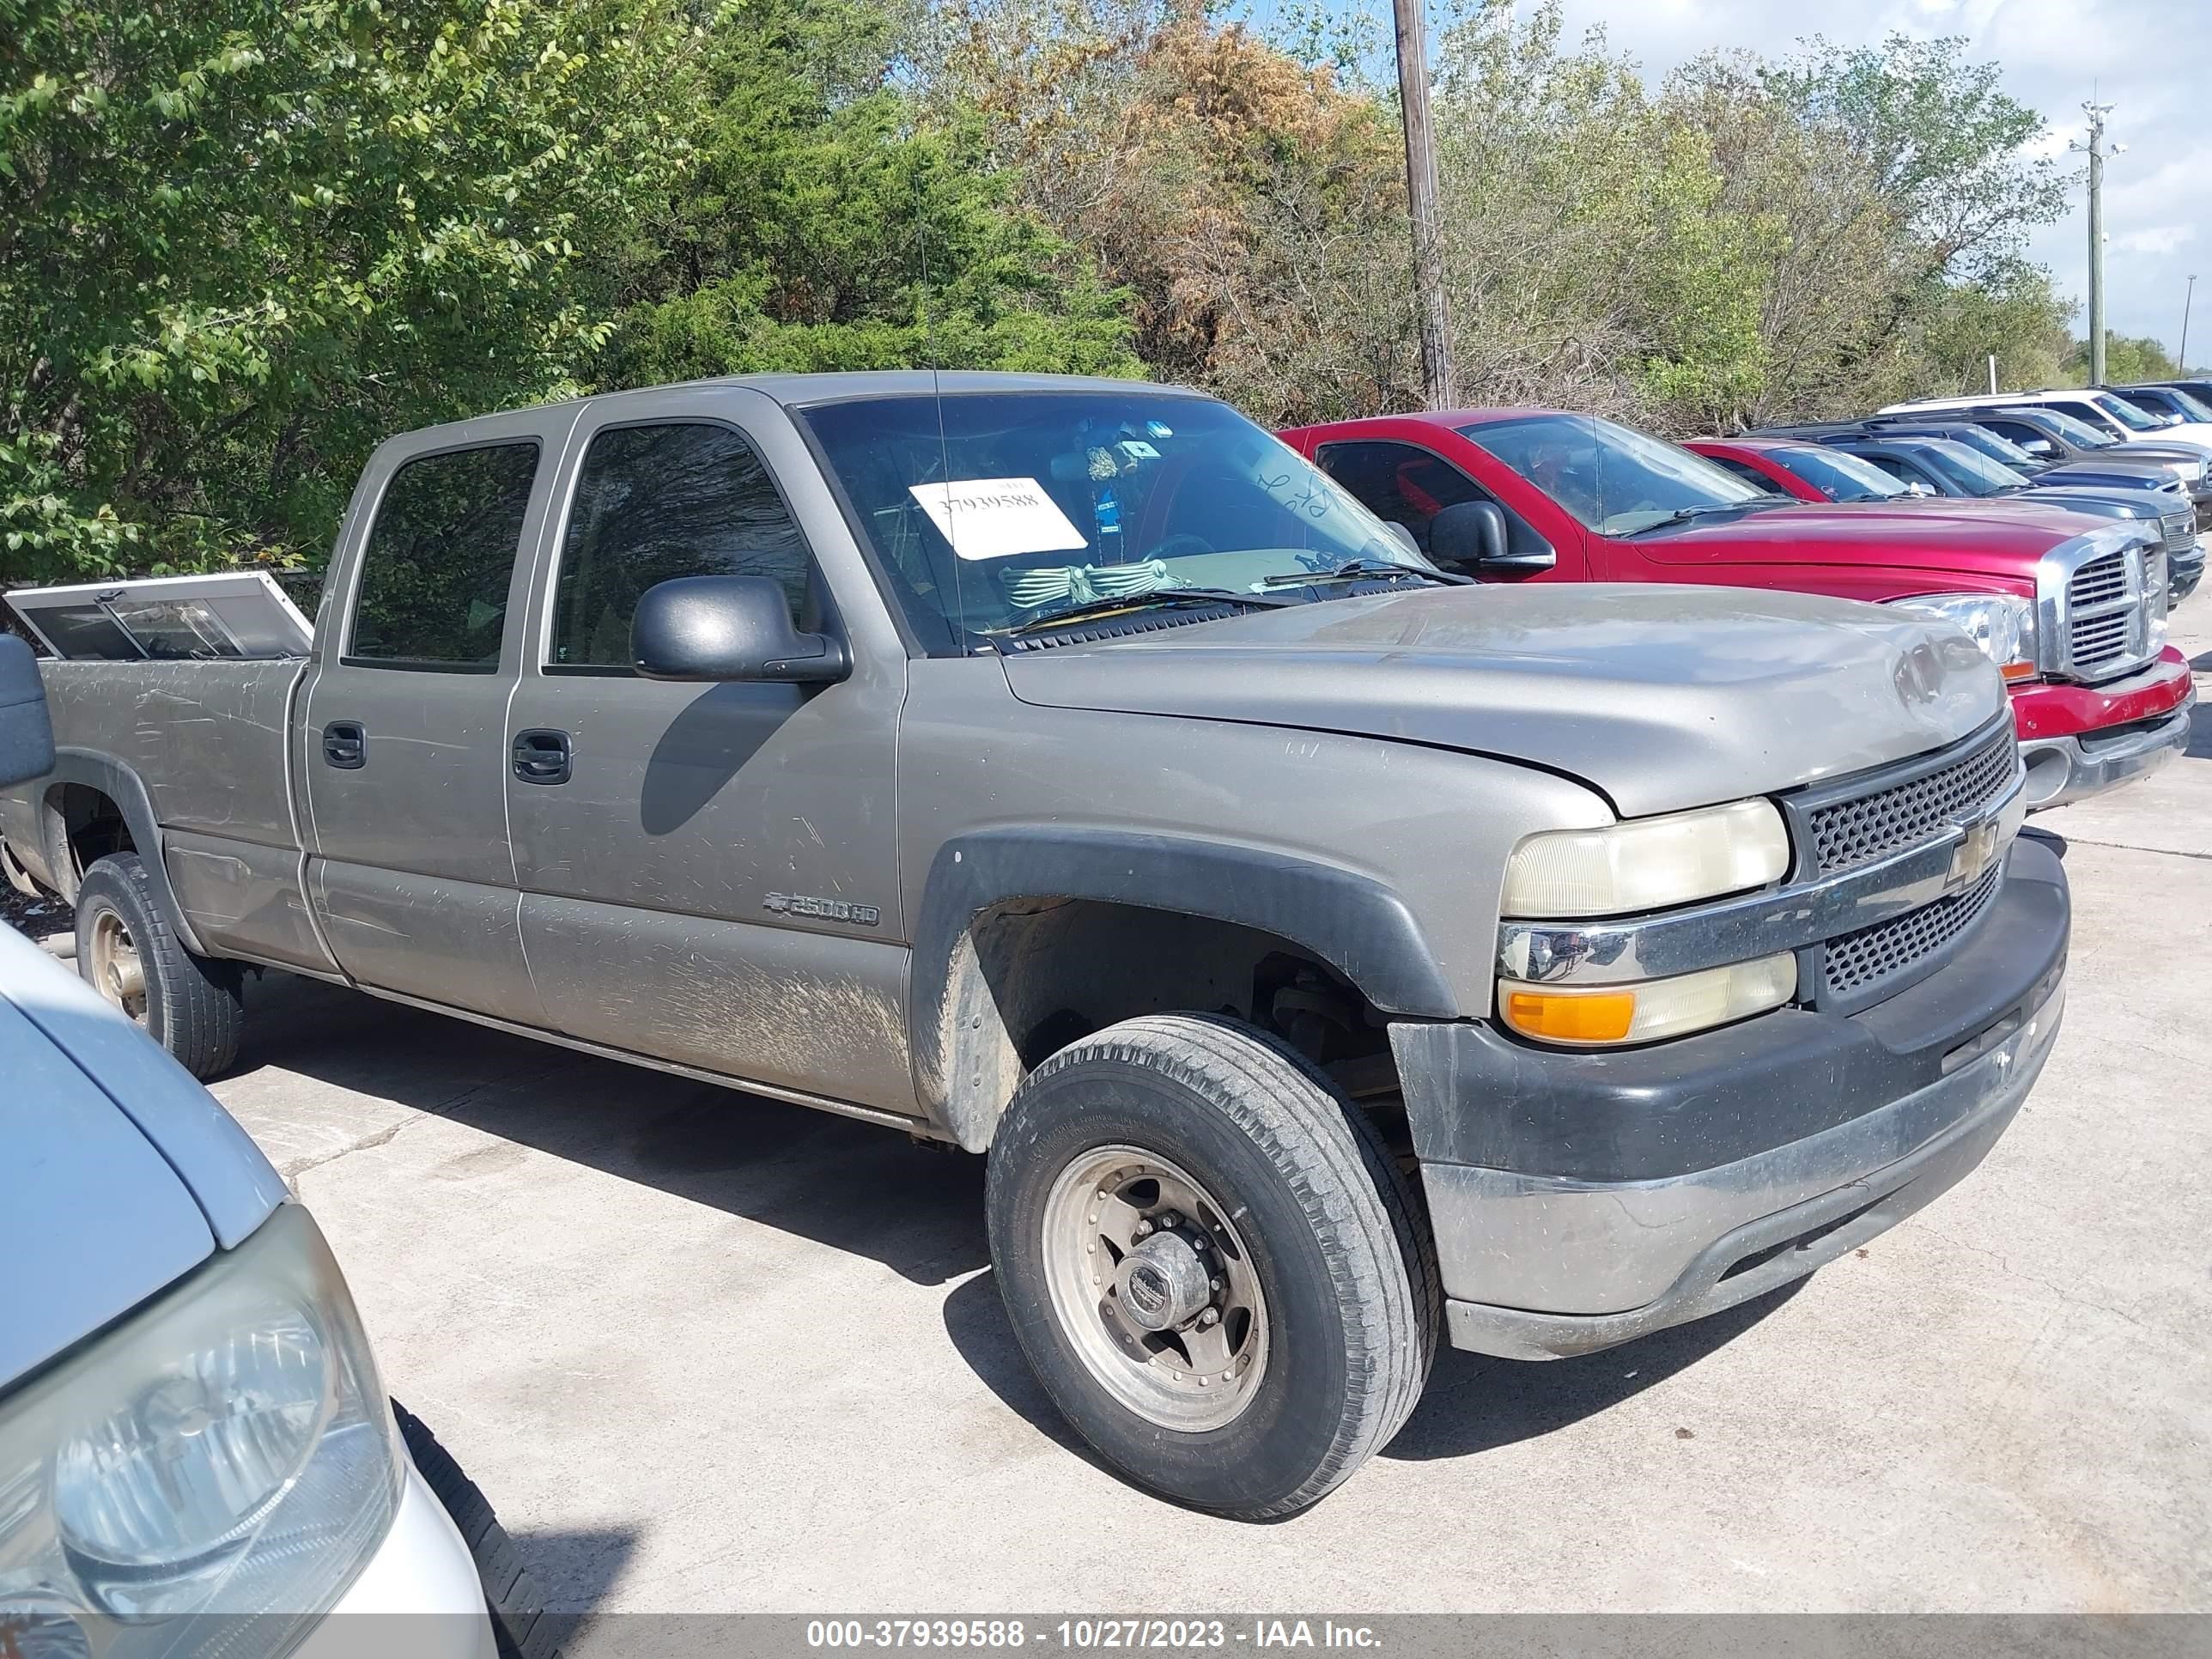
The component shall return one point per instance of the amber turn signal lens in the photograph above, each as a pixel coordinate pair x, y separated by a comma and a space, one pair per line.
1560, 1016
2018, 671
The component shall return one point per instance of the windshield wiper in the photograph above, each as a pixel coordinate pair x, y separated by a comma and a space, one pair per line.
1353, 570
1083, 608
1685, 514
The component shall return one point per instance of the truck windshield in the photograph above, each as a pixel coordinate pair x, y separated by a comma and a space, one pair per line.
1615, 480
1989, 443
2077, 431
2127, 414
989, 510
1968, 470
1842, 477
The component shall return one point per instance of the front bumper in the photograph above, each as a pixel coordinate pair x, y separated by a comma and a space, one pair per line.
1582, 1200
2077, 740
2061, 770
419, 1595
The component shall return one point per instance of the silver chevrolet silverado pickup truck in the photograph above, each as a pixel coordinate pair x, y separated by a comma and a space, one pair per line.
1333, 957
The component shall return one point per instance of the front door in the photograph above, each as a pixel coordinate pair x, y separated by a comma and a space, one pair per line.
709, 871
405, 735
1404, 484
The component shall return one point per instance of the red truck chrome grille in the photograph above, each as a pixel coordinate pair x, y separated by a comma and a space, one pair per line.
2110, 604
1850, 833
1858, 960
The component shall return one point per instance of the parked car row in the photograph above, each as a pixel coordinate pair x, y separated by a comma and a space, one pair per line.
1342, 935
2062, 569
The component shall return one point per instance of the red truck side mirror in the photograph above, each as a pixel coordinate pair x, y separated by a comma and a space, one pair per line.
1471, 538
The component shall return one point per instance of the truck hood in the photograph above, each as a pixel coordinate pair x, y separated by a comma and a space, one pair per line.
1938, 534
119, 1174
1659, 697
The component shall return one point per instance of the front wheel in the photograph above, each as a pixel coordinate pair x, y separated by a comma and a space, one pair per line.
1212, 1262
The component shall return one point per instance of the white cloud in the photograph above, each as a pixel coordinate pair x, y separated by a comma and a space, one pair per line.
2159, 238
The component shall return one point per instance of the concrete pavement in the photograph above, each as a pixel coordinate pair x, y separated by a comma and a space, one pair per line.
709, 1353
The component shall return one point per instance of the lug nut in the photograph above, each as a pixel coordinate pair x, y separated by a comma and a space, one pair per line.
1170, 1220
1214, 1283
1211, 1316
1143, 1229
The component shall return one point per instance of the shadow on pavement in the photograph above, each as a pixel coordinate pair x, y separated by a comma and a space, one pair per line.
854, 1187
1474, 1403
575, 1568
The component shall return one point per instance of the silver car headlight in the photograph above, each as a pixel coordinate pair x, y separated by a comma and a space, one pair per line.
2002, 624
226, 1449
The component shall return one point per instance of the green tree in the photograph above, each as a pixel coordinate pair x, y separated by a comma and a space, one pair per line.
243, 240
832, 221
2127, 358
1946, 141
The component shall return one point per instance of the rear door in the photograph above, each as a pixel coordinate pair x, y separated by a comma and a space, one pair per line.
709, 872
404, 743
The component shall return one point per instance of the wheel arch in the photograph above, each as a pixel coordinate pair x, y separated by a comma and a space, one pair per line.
997, 903
105, 780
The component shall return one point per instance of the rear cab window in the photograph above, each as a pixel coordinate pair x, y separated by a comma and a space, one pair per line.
439, 562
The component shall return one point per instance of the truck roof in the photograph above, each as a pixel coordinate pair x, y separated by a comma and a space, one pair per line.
797, 390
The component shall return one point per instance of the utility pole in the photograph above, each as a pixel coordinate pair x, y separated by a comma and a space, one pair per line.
2095, 146
1436, 378
2187, 301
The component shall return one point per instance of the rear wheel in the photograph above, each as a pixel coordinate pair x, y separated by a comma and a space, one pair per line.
1212, 1262
125, 949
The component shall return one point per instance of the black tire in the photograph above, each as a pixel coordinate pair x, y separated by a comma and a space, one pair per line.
1337, 1240
512, 1597
194, 1006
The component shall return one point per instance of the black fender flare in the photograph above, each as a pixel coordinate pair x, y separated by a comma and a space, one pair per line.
1349, 920
127, 791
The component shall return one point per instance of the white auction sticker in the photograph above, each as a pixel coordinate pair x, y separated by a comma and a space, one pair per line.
997, 518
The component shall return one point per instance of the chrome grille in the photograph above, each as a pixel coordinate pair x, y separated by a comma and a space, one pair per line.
2098, 581
2107, 608
2180, 529
1850, 833
1858, 960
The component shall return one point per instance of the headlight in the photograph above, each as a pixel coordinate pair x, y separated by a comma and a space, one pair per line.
226, 1450
1646, 863
2002, 624
1600, 1015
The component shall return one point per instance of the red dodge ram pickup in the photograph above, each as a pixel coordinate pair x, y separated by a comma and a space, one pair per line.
2071, 609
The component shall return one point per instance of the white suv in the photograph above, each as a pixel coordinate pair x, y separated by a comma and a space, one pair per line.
2114, 416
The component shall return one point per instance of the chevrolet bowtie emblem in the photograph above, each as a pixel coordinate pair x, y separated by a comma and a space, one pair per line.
1974, 853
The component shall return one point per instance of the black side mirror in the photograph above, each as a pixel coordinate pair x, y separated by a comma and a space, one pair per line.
1471, 537
729, 628
26, 737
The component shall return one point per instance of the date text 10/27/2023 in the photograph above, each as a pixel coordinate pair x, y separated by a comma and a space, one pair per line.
1088, 1635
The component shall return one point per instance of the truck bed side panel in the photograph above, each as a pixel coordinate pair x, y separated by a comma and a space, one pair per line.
209, 740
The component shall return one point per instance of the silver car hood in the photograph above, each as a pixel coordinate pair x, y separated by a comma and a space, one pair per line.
119, 1174
1661, 697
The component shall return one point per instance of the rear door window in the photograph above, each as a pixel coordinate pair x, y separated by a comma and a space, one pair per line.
440, 559
657, 502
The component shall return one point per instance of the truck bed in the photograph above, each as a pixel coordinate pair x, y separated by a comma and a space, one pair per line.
208, 739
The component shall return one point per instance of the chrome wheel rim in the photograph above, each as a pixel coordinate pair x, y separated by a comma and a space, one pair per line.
118, 973
1155, 1288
